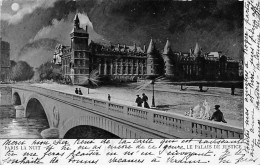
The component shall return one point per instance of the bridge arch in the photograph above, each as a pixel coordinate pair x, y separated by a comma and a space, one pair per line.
88, 132
16, 99
35, 107
91, 122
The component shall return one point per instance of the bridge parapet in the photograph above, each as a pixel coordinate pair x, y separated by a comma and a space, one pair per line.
164, 124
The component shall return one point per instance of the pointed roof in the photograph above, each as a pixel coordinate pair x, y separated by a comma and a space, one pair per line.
77, 27
144, 48
167, 48
197, 49
151, 47
135, 49
76, 18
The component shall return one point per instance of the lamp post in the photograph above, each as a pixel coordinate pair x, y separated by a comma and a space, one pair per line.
153, 104
88, 83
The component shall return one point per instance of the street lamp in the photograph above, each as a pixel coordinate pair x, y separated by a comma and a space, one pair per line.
153, 104
88, 82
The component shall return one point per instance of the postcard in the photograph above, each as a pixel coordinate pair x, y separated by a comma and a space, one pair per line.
119, 82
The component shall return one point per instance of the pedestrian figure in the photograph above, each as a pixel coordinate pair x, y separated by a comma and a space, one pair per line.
139, 101
218, 115
232, 90
80, 93
200, 86
76, 91
109, 97
145, 100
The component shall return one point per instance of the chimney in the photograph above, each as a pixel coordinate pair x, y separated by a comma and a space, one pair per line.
144, 48
86, 28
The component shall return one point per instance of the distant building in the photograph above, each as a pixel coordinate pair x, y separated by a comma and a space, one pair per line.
5, 61
123, 62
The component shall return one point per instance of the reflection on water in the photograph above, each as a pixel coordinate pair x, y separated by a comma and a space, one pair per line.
10, 127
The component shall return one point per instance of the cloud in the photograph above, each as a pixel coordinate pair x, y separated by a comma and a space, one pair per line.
84, 20
27, 9
60, 30
40, 48
55, 31
36, 57
45, 43
38, 52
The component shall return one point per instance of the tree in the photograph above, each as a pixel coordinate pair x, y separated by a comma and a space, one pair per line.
91, 80
49, 71
21, 71
13, 63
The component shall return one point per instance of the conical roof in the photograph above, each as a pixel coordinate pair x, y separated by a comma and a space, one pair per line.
135, 49
167, 48
77, 27
76, 18
151, 47
197, 50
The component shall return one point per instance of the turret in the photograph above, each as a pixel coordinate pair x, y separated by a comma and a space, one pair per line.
168, 58
151, 47
79, 50
167, 48
154, 61
197, 50
76, 22
135, 49
191, 52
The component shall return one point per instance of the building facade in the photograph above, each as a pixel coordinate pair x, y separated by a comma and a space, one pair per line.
5, 61
123, 62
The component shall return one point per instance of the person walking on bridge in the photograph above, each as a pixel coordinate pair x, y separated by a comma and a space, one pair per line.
139, 101
80, 93
76, 91
145, 100
218, 115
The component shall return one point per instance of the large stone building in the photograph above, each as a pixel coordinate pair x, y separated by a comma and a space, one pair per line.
4, 61
123, 62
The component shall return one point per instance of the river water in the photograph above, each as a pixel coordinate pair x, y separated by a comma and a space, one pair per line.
22, 128
30, 128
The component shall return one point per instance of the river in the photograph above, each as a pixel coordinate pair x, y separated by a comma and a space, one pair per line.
22, 128
30, 128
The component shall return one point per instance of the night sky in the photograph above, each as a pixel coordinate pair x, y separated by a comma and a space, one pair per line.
34, 27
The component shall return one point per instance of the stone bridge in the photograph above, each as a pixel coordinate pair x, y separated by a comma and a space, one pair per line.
66, 111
